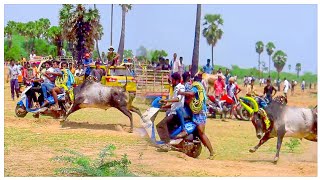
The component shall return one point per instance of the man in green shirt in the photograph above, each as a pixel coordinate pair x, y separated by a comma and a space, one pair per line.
112, 56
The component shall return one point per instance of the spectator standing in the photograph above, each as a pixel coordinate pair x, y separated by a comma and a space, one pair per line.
227, 75
219, 87
181, 67
303, 85
286, 87
176, 64
13, 73
32, 55
208, 68
293, 84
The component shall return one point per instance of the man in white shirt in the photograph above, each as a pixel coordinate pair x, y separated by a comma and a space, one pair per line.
176, 63
177, 102
32, 55
286, 87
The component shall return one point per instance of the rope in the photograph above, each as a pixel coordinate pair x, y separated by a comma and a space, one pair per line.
196, 104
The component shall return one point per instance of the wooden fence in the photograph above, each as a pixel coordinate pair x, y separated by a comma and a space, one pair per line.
151, 82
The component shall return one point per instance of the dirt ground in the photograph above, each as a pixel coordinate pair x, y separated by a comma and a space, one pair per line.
30, 143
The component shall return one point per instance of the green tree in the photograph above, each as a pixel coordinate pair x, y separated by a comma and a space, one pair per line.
270, 48
128, 54
54, 36
156, 54
279, 59
195, 54
259, 50
100, 32
212, 30
298, 68
125, 8
80, 27
8, 31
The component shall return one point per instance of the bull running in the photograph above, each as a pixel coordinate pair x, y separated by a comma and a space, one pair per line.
183, 128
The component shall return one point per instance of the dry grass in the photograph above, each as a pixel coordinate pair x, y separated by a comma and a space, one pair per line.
30, 143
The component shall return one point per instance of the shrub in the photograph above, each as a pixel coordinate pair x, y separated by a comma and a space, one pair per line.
294, 143
103, 165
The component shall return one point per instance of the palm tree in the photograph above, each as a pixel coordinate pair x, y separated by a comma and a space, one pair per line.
279, 59
125, 9
111, 23
54, 35
270, 48
289, 67
99, 35
80, 27
212, 31
9, 30
259, 50
298, 68
195, 54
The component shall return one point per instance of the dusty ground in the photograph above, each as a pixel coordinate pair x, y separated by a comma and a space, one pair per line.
30, 143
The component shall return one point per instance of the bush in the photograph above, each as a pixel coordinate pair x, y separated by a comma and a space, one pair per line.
294, 143
103, 165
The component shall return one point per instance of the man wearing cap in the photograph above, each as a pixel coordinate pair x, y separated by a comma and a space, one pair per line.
112, 56
97, 72
86, 63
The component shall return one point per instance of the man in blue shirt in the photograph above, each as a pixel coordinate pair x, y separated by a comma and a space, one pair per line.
201, 118
207, 68
86, 63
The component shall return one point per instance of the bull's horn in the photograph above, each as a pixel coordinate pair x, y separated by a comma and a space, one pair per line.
246, 107
254, 103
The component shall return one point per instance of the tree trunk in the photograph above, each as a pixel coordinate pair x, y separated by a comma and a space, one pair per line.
123, 26
111, 24
278, 74
298, 74
269, 64
195, 56
259, 66
212, 56
97, 44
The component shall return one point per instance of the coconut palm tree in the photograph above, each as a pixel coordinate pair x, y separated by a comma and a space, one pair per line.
270, 48
298, 68
195, 54
54, 35
212, 30
279, 59
259, 50
125, 8
289, 67
80, 27
9, 30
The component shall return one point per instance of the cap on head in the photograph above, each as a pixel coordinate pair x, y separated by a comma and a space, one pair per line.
111, 48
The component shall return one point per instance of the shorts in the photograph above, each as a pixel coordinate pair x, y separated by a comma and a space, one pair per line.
200, 118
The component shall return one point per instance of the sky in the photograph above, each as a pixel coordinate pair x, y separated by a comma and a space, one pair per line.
292, 28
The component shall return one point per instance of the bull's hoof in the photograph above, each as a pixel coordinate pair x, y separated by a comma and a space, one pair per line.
275, 160
131, 130
252, 150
